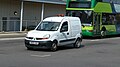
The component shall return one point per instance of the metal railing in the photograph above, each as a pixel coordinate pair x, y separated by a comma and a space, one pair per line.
14, 25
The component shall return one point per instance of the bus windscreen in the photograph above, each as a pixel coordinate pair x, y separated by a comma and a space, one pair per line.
79, 5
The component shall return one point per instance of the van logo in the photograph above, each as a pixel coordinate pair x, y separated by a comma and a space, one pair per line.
34, 38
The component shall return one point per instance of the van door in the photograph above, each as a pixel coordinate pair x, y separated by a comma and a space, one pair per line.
64, 33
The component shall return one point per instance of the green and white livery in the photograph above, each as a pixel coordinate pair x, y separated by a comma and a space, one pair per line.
98, 17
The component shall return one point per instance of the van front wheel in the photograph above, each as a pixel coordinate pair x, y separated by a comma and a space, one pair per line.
77, 44
54, 46
28, 48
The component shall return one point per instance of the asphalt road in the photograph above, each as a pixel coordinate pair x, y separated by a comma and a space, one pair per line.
93, 53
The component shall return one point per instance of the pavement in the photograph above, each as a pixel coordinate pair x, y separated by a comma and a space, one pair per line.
12, 34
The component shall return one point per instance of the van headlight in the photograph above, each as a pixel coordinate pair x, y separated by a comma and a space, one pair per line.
47, 36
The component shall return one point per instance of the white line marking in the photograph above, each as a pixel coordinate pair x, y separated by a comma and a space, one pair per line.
12, 38
41, 55
104, 39
94, 40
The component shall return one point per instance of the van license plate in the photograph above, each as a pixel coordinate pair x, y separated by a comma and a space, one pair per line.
35, 43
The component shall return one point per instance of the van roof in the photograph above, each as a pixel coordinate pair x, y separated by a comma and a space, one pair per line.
58, 19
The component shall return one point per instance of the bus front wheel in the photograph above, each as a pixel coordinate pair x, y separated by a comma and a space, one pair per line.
103, 34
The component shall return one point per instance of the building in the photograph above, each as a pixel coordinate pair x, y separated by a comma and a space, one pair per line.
17, 15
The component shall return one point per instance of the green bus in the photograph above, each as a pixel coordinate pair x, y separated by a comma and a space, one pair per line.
98, 17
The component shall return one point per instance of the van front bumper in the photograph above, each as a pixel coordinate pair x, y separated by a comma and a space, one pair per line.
39, 45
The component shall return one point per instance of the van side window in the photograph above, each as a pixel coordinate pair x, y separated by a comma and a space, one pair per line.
64, 27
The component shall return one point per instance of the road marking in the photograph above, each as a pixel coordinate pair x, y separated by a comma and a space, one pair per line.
12, 38
41, 55
102, 39
94, 40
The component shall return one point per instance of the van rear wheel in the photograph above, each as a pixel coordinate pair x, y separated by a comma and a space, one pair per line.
77, 44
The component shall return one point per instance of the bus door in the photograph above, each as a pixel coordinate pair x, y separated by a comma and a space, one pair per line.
97, 17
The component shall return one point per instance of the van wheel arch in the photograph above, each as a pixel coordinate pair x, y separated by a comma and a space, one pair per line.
55, 41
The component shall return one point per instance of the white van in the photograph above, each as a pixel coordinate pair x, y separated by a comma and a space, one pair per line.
55, 31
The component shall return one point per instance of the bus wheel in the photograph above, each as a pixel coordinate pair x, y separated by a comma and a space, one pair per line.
103, 34
77, 44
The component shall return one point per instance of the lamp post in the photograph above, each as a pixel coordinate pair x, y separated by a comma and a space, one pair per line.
21, 17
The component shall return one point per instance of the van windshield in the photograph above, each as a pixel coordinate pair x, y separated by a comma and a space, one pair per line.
48, 26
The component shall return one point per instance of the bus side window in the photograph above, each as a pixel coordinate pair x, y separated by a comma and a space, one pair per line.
104, 19
117, 19
108, 19
99, 0
112, 19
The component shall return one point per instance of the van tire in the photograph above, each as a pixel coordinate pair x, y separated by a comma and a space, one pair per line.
77, 44
54, 46
28, 48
